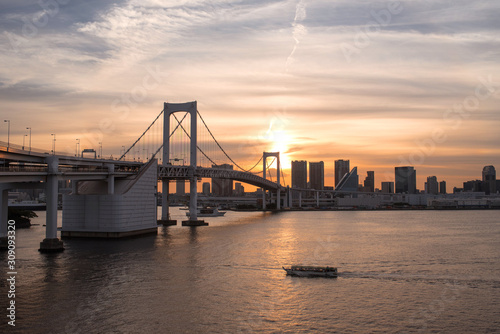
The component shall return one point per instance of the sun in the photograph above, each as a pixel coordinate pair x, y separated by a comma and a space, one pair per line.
278, 139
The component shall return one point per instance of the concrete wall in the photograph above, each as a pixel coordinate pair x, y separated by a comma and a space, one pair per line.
131, 209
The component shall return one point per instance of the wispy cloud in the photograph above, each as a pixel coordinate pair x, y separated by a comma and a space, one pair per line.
245, 58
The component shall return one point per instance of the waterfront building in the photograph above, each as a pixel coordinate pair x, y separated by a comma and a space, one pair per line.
239, 190
490, 180
406, 180
299, 174
180, 187
341, 169
442, 187
317, 175
475, 186
206, 188
369, 183
349, 182
222, 187
388, 187
432, 185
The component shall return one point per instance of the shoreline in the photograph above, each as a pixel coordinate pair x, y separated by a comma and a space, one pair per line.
365, 209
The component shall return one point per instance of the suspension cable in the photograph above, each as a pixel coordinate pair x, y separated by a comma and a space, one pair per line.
211, 134
269, 169
149, 127
206, 156
282, 176
180, 124
217, 145
161, 146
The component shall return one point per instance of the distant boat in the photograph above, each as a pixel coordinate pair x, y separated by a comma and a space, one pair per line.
208, 212
311, 271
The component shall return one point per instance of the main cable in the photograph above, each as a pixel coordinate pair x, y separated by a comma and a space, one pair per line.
211, 134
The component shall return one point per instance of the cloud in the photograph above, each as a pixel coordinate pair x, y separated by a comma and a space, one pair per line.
245, 60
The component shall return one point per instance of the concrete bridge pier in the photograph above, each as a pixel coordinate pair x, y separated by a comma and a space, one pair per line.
165, 205
193, 205
51, 243
4, 217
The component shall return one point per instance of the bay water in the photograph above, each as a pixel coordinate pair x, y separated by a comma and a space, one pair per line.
400, 272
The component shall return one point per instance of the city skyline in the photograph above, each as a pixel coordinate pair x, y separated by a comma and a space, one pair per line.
419, 87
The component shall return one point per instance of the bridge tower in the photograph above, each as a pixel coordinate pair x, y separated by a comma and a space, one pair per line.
169, 109
265, 156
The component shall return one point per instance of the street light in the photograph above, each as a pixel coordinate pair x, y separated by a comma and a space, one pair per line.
30, 137
53, 144
77, 147
8, 133
100, 150
24, 137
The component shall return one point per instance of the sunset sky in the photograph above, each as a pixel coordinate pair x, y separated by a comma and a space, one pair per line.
382, 84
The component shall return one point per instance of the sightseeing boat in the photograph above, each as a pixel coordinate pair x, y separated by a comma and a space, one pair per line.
311, 271
208, 212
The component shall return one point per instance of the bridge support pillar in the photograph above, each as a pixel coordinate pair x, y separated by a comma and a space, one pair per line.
317, 199
193, 205
165, 205
300, 199
288, 202
51, 243
4, 217
264, 168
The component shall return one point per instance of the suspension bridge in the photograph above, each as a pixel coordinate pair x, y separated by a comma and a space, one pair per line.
117, 197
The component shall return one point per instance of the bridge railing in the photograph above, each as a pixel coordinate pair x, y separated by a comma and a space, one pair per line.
26, 149
69, 169
18, 169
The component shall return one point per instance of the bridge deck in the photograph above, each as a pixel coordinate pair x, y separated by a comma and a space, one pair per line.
30, 166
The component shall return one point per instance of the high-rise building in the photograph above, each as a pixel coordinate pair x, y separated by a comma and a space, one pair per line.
349, 182
406, 180
239, 190
222, 187
317, 175
442, 187
369, 184
388, 187
299, 174
474, 186
206, 188
490, 180
341, 169
432, 185
180, 187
